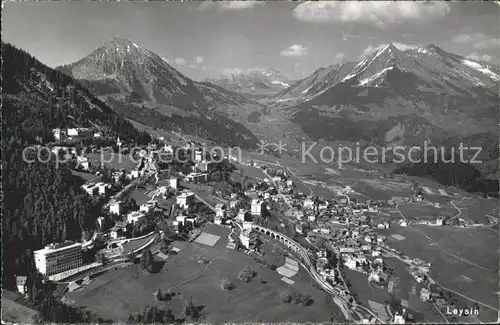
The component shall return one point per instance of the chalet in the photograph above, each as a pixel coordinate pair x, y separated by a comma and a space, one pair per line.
134, 216
243, 215
196, 177
308, 203
147, 207
181, 219
83, 162
118, 230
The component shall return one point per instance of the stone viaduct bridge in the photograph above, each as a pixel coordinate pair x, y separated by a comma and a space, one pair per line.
288, 242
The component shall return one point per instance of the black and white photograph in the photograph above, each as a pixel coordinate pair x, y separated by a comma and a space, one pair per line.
246, 162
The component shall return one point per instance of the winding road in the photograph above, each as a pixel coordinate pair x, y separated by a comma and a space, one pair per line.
458, 209
399, 211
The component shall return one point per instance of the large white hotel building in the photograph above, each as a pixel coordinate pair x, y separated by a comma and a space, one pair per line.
57, 258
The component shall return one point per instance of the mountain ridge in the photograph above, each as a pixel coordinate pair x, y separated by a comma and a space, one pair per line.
253, 81
131, 78
428, 82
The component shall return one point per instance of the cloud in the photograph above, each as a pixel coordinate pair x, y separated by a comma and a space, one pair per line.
488, 44
480, 57
192, 66
294, 50
199, 59
377, 13
179, 61
480, 40
239, 5
229, 5
338, 57
468, 38
400, 46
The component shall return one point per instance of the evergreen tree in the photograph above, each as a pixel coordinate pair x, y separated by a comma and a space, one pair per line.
147, 260
159, 295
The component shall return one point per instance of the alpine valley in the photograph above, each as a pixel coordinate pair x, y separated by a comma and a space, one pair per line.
390, 97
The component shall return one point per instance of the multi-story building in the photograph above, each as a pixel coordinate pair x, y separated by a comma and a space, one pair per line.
79, 132
196, 177
198, 155
257, 206
115, 207
206, 166
57, 258
243, 215
174, 183
185, 199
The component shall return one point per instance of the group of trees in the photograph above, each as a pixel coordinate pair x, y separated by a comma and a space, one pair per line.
457, 173
332, 259
38, 108
226, 284
50, 309
191, 312
41, 205
151, 315
164, 296
53, 310
247, 274
42, 201
303, 298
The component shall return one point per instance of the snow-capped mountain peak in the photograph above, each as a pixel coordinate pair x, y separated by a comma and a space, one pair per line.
253, 80
429, 67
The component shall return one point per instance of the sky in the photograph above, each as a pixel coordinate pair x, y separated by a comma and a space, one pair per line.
206, 39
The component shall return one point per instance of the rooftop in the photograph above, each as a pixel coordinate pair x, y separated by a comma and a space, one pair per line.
57, 247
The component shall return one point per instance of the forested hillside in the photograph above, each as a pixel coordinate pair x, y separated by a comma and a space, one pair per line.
38, 99
41, 201
459, 174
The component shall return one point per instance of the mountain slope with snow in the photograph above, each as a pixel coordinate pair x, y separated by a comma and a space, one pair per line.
447, 91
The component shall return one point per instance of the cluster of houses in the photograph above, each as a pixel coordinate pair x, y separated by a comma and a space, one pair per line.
75, 133
99, 188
